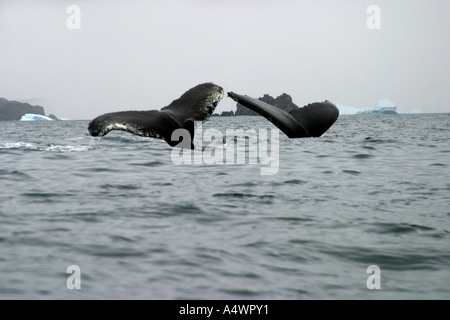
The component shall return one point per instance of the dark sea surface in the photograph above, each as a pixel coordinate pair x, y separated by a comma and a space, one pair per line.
374, 190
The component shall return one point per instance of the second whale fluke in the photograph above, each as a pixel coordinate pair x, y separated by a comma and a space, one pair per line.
313, 120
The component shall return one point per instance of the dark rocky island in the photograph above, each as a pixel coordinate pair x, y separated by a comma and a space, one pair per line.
14, 110
224, 114
283, 102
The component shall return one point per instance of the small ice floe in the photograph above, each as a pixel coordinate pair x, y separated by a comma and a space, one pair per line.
35, 117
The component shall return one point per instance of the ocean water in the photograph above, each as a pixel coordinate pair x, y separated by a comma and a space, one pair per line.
374, 190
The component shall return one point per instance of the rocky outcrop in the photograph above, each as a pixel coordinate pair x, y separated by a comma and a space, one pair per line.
14, 110
227, 114
283, 102
224, 114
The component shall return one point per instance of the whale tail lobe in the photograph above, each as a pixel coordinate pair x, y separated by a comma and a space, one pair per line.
312, 120
195, 105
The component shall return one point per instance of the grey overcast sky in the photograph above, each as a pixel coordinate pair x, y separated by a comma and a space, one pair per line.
144, 54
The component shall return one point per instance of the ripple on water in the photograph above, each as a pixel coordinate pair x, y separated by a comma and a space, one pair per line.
169, 209
109, 251
148, 164
288, 182
294, 181
101, 169
352, 172
121, 238
266, 198
120, 186
362, 156
242, 292
389, 259
438, 165
398, 228
46, 197
379, 141
15, 175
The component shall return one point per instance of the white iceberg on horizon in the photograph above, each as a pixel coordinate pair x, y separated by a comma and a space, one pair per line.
385, 106
35, 117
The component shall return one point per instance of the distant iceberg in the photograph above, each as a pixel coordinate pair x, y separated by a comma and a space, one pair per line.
385, 106
379, 110
35, 117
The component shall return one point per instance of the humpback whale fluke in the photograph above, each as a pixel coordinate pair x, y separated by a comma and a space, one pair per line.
310, 121
196, 104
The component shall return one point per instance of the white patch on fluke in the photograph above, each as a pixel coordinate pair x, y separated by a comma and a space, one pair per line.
117, 126
208, 105
130, 128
